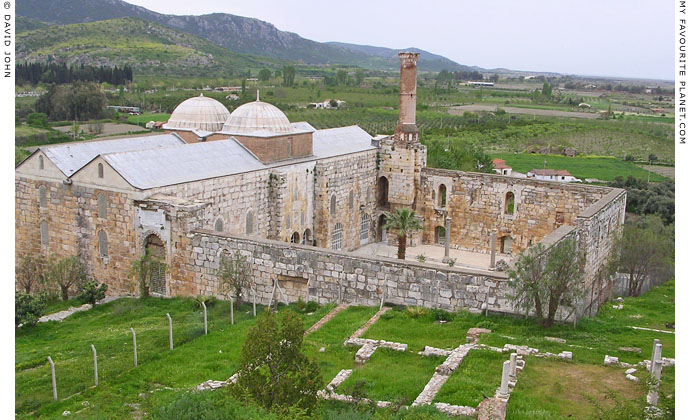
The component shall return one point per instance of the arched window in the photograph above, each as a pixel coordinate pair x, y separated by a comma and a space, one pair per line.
510, 203
364, 228
382, 192
306, 237
351, 200
289, 148
42, 196
250, 223
102, 243
333, 205
294, 239
44, 233
288, 221
302, 219
100, 170
337, 237
440, 235
219, 225
102, 206
40, 163
368, 194
295, 195
442, 195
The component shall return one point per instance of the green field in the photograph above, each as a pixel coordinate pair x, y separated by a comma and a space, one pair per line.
160, 384
146, 117
602, 168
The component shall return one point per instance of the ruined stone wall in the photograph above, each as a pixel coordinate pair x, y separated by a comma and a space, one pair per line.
338, 177
476, 204
598, 226
401, 164
332, 275
72, 219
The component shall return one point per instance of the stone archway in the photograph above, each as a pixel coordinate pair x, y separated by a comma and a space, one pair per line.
380, 231
156, 248
382, 192
294, 239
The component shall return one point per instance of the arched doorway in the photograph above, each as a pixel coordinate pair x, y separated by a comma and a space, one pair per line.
382, 192
506, 245
380, 231
156, 249
295, 238
440, 235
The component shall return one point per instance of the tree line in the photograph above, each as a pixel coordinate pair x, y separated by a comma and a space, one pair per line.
54, 73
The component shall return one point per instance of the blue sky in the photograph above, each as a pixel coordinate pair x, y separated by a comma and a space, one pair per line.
624, 38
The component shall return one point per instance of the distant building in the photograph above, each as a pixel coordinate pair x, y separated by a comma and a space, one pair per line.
501, 168
129, 109
560, 175
479, 84
326, 104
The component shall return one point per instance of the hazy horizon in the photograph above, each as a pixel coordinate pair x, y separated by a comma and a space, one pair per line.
614, 39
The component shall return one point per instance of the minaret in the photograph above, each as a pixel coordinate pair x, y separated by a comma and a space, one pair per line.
402, 155
406, 130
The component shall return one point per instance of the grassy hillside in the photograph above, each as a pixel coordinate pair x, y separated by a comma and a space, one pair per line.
148, 47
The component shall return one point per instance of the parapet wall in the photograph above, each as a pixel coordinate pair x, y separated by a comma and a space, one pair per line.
329, 276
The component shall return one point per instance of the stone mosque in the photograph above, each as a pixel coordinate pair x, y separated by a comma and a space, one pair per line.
305, 206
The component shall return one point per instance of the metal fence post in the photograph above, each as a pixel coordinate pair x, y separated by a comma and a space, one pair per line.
170, 329
95, 365
134, 342
205, 324
52, 373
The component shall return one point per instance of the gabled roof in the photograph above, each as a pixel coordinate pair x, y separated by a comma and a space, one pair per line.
70, 157
145, 169
500, 164
341, 141
550, 172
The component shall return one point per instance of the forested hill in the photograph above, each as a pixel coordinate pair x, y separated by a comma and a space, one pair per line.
236, 33
145, 46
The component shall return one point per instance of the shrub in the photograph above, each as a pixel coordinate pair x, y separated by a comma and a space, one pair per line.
441, 315
416, 311
274, 372
91, 292
27, 309
206, 299
421, 258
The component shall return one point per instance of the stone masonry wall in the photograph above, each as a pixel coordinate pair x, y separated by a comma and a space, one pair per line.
73, 223
339, 176
476, 204
333, 275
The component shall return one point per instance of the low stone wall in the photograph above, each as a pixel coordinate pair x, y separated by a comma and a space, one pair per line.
334, 276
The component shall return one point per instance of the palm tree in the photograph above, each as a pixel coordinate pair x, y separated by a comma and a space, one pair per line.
404, 221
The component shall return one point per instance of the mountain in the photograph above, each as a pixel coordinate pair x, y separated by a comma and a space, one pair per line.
148, 47
28, 24
432, 62
236, 33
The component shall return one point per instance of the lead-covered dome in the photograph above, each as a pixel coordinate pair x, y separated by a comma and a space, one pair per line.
198, 113
257, 116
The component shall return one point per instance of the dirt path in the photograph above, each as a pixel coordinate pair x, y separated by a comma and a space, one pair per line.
459, 110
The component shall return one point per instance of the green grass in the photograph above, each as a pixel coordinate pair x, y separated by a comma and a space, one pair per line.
392, 375
196, 357
61, 305
559, 390
331, 337
146, 117
602, 168
398, 326
477, 377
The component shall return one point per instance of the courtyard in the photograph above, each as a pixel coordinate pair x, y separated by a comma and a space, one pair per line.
434, 254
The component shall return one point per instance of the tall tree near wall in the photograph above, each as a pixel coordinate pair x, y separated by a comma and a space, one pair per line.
31, 272
546, 279
404, 221
65, 273
644, 250
233, 273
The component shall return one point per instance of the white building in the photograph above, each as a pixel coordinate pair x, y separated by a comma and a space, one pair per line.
560, 175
